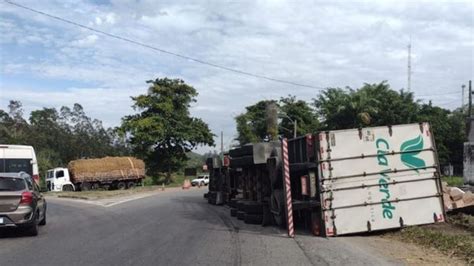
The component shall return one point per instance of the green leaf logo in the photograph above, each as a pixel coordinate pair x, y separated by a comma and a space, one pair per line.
410, 149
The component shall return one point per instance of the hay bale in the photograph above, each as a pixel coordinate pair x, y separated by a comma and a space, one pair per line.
106, 169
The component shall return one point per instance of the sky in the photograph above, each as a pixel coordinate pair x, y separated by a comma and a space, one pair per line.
48, 63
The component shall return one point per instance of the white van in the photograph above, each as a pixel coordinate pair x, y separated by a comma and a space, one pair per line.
16, 158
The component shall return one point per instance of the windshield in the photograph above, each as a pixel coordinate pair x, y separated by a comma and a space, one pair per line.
11, 184
16, 165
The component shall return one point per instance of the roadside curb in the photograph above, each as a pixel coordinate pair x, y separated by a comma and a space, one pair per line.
73, 197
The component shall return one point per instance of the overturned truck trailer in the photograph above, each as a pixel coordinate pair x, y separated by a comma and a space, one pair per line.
342, 181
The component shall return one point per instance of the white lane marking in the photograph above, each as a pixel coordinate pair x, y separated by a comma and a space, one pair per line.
106, 203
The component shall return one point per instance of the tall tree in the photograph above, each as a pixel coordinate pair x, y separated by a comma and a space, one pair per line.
59, 137
299, 111
163, 130
251, 125
371, 105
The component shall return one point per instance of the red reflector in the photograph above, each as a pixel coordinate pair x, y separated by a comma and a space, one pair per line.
304, 185
36, 178
226, 161
26, 197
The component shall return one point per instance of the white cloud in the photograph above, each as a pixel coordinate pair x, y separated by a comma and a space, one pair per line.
318, 43
89, 40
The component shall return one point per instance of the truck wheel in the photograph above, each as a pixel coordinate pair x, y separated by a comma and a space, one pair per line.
277, 208
131, 184
232, 203
240, 205
121, 185
95, 186
86, 186
67, 188
253, 207
253, 218
240, 215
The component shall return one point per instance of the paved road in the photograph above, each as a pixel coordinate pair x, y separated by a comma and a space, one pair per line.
170, 228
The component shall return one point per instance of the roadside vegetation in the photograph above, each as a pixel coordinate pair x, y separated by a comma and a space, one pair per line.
453, 181
370, 105
455, 238
104, 194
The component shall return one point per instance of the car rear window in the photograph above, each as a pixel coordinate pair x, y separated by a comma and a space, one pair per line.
11, 184
16, 165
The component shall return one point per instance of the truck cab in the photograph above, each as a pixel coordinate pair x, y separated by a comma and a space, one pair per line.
58, 179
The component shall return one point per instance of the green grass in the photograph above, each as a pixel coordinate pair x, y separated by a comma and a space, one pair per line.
453, 238
453, 181
461, 246
177, 180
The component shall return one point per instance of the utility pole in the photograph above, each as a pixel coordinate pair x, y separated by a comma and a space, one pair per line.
470, 100
222, 142
462, 98
468, 157
409, 66
294, 129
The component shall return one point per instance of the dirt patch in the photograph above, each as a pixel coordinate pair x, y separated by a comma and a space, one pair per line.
410, 253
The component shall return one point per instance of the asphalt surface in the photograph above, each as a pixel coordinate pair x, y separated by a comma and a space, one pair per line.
170, 228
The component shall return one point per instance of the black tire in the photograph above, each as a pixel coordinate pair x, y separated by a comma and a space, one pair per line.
233, 212
95, 186
32, 230
121, 185
241, 161
253, 218
240, 215
85, 186
240, 205
43, 221
232, 203
253, 207
242, 151
277, 207
67, 188
131, 184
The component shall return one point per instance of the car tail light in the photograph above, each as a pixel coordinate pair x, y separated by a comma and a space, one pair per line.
36, 178
26, 198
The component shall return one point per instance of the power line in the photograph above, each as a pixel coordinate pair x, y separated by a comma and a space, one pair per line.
448, 103
196, 60
439, 94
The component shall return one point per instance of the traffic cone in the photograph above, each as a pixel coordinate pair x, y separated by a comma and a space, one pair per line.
186, 184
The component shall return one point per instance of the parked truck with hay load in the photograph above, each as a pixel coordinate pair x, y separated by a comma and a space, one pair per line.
92, 174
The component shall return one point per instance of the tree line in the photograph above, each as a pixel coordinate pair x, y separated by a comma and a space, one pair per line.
370, 105
162, 132
59, 135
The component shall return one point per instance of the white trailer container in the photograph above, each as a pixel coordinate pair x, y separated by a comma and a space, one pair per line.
379, 178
